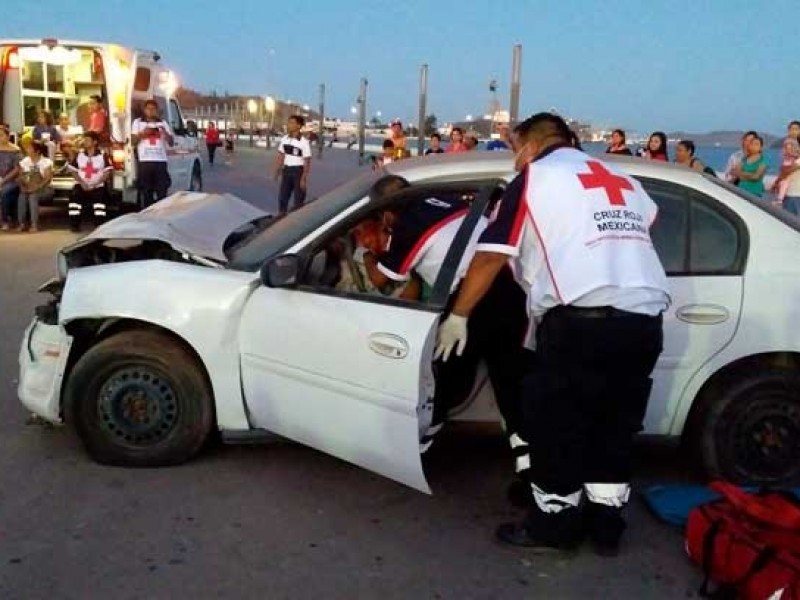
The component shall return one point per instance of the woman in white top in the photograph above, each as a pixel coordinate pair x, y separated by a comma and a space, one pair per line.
36, 172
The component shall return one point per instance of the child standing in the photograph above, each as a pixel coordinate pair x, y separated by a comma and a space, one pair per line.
36, 172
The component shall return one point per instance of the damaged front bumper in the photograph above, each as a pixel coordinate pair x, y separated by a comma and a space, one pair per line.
42, 361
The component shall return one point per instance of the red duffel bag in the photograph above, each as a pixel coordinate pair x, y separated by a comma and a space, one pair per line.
747, 544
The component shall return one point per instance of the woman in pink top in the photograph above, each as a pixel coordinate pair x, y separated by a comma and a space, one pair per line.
457, 141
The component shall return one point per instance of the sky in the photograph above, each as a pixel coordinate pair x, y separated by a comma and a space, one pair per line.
697, 65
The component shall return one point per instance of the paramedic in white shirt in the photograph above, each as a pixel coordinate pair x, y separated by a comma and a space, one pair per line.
293, 165
151, 136
577, 234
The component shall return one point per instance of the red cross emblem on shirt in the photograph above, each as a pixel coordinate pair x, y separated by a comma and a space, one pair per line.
154, 137
600, 177
89, 170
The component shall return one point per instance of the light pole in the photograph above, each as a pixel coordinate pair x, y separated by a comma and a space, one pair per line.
252, 107
269, 104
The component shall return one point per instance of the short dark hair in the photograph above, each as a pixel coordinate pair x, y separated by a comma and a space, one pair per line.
150, 102
689, 145
92, 135
96, 98
388, 144
794, 123
546, 125
437, 136
386, 185
750, 133
620, 133
458, 129
299, 119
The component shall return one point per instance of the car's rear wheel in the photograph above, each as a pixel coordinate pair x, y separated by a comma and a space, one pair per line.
140, 399
750, 429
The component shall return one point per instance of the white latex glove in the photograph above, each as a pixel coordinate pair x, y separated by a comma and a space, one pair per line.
452, 334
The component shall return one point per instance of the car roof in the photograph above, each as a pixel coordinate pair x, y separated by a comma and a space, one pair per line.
483, 163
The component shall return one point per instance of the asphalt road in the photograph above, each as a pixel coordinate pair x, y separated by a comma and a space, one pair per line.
279, 520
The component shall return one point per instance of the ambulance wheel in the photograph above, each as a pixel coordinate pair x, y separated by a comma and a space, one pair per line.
196, 182
139, 399
750, 432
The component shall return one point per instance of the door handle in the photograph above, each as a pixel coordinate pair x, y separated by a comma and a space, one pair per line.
703, 314
388, 345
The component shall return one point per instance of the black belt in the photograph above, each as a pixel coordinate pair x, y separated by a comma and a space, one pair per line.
595, 312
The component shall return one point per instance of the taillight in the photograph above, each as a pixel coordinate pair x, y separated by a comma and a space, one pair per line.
118, 156
12, 60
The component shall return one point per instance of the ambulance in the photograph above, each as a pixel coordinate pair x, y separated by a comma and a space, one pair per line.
61, 76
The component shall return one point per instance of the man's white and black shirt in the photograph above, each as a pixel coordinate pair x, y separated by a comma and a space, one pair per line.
295, 151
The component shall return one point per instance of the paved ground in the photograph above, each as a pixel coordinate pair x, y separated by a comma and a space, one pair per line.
278, 521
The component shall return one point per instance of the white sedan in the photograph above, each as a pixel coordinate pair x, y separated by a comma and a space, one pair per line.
202, 312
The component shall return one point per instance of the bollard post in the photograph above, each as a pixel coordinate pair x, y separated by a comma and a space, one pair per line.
423, 99
516, 68
362, 119
321, 136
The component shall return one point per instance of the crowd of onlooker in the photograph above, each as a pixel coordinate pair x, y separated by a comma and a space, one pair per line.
746, 167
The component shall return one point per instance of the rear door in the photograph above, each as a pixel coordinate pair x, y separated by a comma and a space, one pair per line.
347, 373
703, 247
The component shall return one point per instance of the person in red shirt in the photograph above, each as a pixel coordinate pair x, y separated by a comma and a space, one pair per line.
212, 141
97, 116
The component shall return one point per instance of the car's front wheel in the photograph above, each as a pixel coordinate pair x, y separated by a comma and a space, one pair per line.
140, 399
750, 430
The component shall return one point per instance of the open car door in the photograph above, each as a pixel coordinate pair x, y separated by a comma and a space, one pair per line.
348, 374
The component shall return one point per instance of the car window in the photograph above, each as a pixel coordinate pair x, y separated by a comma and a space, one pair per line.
335, 264
175, 120
694, 234
670, 230
714, 241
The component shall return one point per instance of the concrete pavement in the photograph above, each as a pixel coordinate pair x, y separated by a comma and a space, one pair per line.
280, 520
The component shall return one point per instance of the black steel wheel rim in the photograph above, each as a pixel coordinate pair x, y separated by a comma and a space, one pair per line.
765, 437
137, 406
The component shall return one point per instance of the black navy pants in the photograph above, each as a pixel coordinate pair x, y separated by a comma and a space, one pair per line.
290, 184
83, 203
584, 398
153, 181
495, 334
212, 150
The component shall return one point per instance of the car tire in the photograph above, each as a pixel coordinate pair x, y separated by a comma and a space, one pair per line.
139, 399
749, 432
196, 181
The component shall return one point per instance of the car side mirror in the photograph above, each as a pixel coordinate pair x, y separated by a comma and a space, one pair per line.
191, 128
281, 271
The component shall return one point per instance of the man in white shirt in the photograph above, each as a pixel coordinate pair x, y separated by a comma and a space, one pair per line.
293, 165
735, 160
577, 234
151, 136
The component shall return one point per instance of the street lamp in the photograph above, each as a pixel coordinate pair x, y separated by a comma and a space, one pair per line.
252, 107
269, 104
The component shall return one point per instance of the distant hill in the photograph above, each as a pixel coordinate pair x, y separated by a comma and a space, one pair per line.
726, 139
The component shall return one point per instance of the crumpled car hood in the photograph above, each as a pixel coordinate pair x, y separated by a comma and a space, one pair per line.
192, 222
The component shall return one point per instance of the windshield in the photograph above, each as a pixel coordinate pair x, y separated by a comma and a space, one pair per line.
276, 235
784, 216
